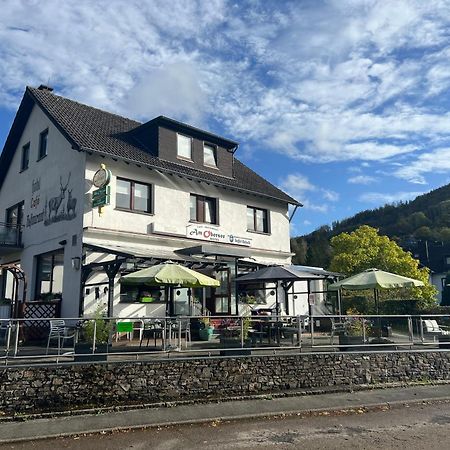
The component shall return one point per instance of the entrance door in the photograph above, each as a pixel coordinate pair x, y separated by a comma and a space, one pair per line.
222, 294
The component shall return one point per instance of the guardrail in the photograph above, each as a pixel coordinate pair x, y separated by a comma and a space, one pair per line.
114, 339
10, 235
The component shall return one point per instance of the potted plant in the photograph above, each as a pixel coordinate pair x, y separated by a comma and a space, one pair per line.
356, 331
230, 337
99, 327
206, 329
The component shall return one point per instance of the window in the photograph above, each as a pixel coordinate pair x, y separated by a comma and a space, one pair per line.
14, 222
25, 157
447, 260
49, 273
43, 137
257, 220
184, 146
133, 196
209, 155
203, 209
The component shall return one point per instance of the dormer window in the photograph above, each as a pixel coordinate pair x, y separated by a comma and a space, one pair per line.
209, 155
184, 147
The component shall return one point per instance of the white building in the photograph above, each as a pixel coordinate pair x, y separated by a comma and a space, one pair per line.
175, 192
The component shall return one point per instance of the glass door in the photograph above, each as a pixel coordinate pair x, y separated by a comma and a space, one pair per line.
222, 294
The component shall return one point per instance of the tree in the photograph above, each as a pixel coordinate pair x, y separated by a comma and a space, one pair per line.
364, 248
299, 246
446, 291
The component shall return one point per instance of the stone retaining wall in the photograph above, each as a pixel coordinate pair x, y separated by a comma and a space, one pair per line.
35, 389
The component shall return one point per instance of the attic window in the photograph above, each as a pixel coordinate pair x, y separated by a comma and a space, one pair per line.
209, 155
184, 147
25, 157
43, 144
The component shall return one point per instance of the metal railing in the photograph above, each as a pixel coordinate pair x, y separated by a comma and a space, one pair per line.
10, 235
136, 338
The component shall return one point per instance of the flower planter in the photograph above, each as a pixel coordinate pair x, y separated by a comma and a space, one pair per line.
233, 347
347, 342
83, 352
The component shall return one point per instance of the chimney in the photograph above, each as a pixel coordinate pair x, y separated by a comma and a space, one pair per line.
45, 88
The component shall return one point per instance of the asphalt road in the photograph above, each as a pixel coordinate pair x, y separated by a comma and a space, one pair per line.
423, 426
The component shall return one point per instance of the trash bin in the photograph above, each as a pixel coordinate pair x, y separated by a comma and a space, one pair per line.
386, 331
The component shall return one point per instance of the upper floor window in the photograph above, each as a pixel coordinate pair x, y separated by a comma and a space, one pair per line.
257, 219
203, 209
24, 162
133, 196
209, 155
447, 261
43, 137
184, 146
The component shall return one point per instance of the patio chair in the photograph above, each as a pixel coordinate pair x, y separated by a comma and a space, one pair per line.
337, 327
61, 332
432, 328
182, 328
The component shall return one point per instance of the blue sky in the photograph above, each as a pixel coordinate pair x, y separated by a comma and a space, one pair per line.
344, 104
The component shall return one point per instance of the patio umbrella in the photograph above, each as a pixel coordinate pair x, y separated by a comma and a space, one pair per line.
375, 279
286, 274
169, 274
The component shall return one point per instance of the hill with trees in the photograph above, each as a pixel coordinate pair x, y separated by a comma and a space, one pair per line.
427, 217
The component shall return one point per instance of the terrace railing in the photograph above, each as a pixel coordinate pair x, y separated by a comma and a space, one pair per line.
10, 235
73, 340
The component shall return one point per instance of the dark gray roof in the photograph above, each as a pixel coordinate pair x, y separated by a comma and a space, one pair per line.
93, 130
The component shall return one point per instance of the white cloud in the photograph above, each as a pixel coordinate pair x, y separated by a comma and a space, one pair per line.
437, 161
341, 80
301, 188
379, 198
362, 179
332, 196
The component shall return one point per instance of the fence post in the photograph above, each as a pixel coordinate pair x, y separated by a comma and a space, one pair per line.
299, 331
311, 321
16, 344
94, 339
242, 331
410, 329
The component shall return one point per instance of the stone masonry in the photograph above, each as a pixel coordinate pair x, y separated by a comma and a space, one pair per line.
74, 386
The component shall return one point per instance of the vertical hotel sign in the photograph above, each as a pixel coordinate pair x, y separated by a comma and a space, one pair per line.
101, 196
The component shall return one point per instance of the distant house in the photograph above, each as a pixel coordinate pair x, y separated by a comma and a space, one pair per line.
435, 256
87, 195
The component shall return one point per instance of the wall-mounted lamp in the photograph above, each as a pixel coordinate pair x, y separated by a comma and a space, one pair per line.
272, 292
76, 263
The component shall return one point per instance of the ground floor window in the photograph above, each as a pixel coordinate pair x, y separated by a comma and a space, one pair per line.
49, 274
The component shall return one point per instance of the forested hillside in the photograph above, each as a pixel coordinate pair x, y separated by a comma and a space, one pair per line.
427, 217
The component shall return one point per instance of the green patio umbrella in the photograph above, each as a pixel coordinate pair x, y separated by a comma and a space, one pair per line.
375, 279
169, 274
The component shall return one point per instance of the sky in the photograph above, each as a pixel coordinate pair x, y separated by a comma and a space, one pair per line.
343, 104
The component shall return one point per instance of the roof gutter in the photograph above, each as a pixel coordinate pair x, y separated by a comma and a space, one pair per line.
294, 211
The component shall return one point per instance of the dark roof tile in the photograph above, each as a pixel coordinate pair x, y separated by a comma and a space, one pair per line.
91, 129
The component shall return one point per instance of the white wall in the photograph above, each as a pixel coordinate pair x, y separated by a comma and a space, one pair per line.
171, 209
41, 237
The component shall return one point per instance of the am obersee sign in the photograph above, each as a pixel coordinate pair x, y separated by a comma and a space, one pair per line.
207, 233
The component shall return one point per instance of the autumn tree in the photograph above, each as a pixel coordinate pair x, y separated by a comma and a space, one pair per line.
364, 248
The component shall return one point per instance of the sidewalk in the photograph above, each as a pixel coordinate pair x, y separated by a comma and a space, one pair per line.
227, 410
